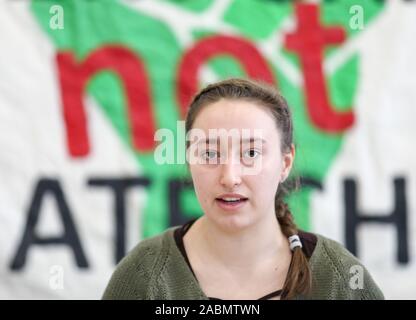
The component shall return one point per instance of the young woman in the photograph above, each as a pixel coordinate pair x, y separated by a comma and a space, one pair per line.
246, 245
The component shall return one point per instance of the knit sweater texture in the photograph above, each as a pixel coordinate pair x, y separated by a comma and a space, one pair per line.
156, 270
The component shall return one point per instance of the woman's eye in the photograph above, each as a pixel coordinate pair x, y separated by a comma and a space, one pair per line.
252, 153
208, 154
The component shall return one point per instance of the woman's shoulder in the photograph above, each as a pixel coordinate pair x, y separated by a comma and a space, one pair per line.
338, 274
134, 273
151, 246
148, 250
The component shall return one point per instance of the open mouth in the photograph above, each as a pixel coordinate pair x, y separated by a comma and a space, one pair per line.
232, 201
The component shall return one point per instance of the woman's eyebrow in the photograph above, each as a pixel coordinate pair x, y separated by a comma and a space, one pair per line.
216, 140
253, 140
208, 141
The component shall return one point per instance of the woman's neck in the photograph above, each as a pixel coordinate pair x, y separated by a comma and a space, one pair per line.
260, 244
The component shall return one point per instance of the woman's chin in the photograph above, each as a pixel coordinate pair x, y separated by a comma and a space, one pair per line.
233, 223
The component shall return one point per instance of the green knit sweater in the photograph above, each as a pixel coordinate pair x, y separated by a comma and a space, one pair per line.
156, 269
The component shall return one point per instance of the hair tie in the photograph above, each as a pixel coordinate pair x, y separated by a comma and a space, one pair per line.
294, 241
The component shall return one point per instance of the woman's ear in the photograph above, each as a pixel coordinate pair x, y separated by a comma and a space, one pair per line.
288, 159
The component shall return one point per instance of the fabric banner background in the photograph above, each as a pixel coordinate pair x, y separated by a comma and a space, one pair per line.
84, 85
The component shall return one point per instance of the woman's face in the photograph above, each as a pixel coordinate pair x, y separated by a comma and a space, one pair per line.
224, 169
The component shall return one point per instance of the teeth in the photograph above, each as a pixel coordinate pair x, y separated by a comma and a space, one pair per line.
233, 199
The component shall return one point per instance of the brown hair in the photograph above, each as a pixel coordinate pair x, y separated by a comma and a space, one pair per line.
298, 280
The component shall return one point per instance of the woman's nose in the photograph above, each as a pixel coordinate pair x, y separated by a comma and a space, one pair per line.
230, 174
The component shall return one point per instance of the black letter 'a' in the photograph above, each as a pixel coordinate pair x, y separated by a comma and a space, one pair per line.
30, 237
